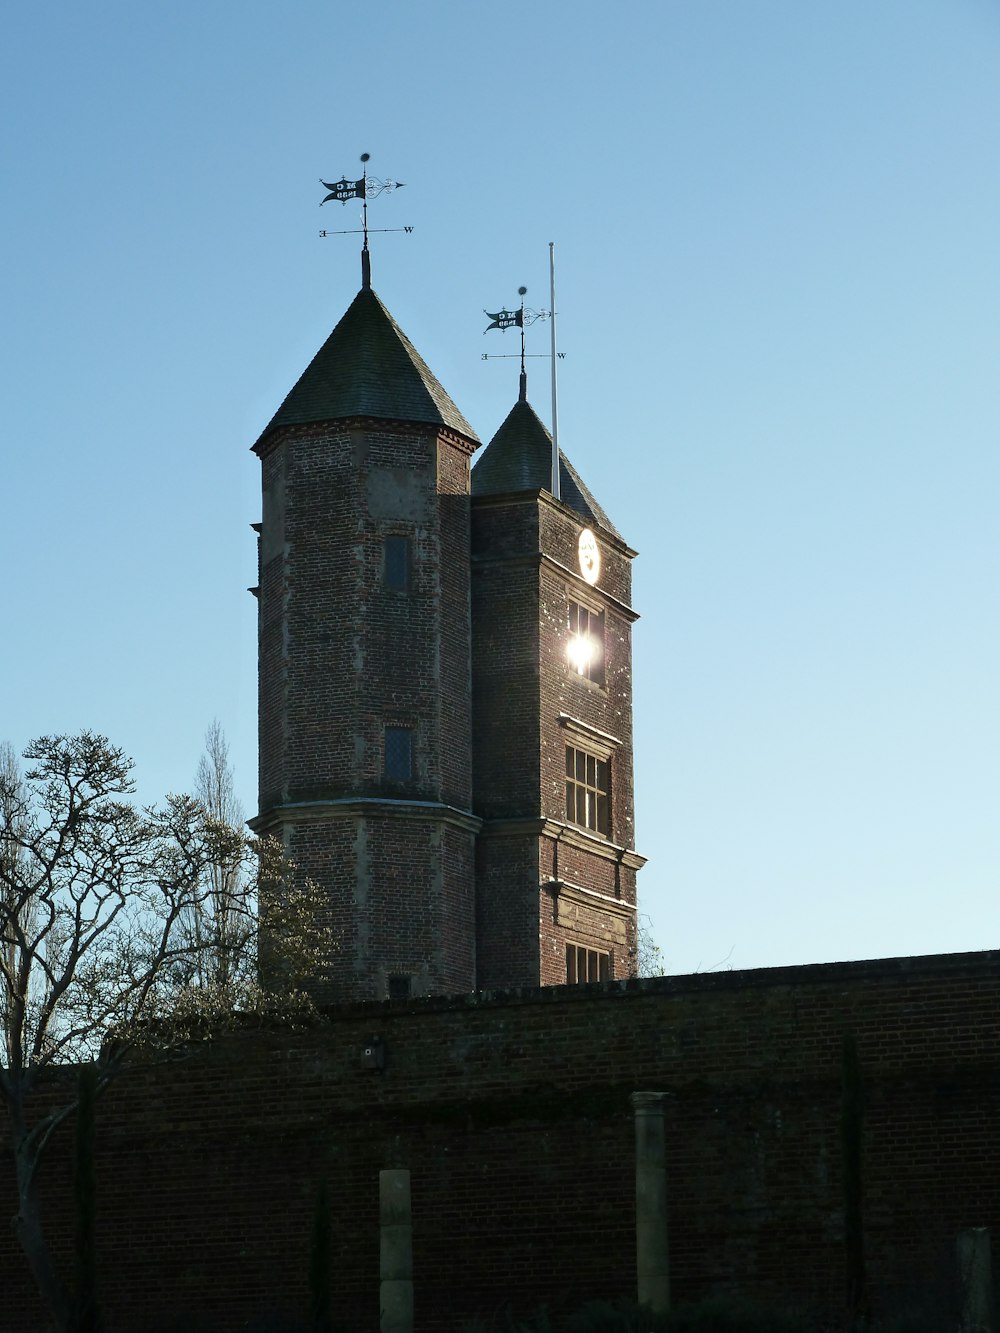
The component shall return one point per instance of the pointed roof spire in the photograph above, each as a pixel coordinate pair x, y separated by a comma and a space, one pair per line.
368, 368
519, 458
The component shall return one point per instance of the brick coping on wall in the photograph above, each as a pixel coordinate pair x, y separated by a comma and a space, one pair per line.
904, 970
920, 966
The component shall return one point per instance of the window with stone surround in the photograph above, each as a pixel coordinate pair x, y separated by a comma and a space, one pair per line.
583, 964
586, 642
588, 790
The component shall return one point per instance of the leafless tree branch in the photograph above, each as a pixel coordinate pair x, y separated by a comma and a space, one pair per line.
121, 925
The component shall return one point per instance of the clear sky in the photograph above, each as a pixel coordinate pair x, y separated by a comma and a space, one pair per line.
777, 228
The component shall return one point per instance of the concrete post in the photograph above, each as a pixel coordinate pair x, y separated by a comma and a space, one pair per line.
652, 1259
975, 1280
396, 1253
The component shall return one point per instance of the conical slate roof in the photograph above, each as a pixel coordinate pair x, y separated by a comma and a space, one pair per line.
369, 368
519, 458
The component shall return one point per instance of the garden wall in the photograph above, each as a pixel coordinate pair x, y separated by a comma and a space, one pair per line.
512, 1113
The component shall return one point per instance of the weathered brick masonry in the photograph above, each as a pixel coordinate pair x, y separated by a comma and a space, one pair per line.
542, 883
512, 1113
419, 695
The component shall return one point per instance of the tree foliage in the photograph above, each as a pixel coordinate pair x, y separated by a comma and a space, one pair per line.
122, 925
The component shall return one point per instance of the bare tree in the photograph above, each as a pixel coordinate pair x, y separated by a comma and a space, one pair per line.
96, 953
649, 958
12, 829
218, 927
215, 784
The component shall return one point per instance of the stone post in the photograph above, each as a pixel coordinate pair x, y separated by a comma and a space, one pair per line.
396, 1253
975, 1280
652, 1258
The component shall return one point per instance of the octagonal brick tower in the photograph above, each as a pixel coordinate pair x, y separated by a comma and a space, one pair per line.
364, 658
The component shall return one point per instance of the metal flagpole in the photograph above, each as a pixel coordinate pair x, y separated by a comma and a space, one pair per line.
555, 395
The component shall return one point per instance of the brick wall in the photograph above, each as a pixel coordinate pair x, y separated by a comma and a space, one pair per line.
528, 704
505, 702
342, 656
507, 936
512, 1113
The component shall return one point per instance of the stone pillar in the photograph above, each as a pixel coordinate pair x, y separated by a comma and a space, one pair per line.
652, 1258
975, 1280
396, 1253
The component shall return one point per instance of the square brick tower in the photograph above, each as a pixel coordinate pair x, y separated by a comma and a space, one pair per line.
552, 720
364, 658
445, 683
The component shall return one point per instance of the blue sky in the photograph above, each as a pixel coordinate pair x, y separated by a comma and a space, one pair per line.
778, 286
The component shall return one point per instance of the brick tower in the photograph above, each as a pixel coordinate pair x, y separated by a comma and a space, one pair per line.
364, 657
552, 720
445, 683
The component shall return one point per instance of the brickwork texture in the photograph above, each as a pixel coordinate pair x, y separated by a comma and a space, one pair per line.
512, 1113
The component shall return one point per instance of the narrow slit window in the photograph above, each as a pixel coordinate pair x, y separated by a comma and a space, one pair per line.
396, 563
399, 754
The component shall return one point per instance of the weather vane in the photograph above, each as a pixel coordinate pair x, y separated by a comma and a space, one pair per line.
521, 318
368, 187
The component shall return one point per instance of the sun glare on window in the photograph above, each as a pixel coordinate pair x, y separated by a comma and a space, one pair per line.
585, 646
581, 653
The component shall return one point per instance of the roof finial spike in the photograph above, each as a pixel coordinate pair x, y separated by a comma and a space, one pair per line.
366, 259
522, 292
364, 195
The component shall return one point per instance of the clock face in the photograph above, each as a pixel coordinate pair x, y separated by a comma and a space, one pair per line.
590, 556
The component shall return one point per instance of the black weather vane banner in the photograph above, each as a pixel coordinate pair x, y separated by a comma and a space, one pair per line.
504, 319
343, 190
